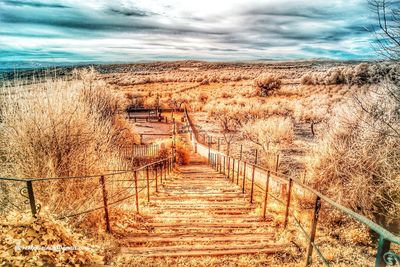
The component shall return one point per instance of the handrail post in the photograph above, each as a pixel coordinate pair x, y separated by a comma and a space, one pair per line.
383, 247
266, 195
31, 196
224, 163
233, 170
105, 204
155, 172
167, 166
220, 163
148, 184
252, 184
288, 202
244, 177
229, 167
310, 247
238, 172
165, 169
136, 192
209, 150
252, 176
161, 172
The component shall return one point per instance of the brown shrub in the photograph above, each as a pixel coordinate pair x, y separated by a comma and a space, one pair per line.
182, 153
202, 98
264, 84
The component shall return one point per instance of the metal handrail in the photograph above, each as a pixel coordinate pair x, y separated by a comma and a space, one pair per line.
385, 236
83, 177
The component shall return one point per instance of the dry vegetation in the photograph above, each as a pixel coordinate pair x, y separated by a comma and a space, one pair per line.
335, 126
62, 128
326, 120
58, 128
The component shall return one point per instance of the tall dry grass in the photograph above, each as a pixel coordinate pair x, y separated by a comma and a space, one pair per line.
59, 128
357, 160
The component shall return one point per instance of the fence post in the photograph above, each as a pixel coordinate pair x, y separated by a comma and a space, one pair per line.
244, 177
229, 167
310, 247
161, 173
209, 149
383, 247
233, 170
288, 201
223, 171
31, 196
266, 194
105, 203
155, 171
252, 177
136, 192
165, 169
252, 184
148, 184
238, 172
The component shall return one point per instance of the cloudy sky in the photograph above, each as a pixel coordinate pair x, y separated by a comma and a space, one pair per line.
127, 31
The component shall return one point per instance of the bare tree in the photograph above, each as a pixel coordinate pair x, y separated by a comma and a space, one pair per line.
229, 129
388, 29
228, 123
176, 102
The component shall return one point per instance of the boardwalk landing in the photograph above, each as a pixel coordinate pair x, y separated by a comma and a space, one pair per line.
199, 212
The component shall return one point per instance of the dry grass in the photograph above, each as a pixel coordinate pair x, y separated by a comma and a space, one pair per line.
346, 158
356, 162
270, 133
60, 128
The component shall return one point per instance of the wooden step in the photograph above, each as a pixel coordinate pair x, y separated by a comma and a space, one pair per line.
204, 225
204, 250
201, 238
193, 197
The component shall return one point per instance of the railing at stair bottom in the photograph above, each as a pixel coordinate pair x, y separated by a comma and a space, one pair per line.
273, 179
68, 197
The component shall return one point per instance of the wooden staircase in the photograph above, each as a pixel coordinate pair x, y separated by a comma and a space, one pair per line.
199, 212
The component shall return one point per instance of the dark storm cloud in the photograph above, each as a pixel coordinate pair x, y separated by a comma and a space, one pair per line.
33, 4
208, 29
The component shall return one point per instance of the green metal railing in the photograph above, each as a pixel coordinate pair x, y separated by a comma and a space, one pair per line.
222, 162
